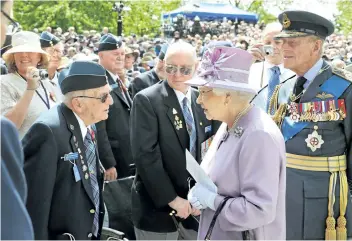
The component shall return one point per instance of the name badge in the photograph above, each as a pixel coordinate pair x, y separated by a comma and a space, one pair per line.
76, 173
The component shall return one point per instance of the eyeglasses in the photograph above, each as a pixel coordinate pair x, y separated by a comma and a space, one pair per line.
103, 98
13, 26
173, 69
52, 51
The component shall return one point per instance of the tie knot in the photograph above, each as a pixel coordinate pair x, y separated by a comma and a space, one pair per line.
275, 70
185, 101
301, 81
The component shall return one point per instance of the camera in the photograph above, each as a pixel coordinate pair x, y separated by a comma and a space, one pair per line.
43, 74
268, 49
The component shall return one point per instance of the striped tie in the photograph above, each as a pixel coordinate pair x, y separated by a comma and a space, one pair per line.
191, 129
91, 157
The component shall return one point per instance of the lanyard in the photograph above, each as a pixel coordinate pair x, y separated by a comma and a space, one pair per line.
47, 103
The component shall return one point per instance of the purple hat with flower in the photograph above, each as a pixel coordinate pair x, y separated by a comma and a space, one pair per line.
225, 68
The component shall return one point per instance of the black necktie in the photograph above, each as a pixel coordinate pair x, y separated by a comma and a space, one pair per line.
299, 86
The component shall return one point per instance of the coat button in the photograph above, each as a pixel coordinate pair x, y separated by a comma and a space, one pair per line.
90, 235
92, 211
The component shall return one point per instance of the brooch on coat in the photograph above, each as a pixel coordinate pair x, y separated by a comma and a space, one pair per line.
238, 131
178, 121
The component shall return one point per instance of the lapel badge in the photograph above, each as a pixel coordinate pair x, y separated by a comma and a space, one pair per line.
201, 124
74, 138
79, 150
174, 111
84, 168
324, 96
314, 140
81, 157
72, 127
178, 123
70, 156
86, 176
76, 144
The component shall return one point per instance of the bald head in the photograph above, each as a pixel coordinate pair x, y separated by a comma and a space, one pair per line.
274, 27
181, 47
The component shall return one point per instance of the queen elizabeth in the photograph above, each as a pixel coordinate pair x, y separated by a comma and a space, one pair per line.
248, 166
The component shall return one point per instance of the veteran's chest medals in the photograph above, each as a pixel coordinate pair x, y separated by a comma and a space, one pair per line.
314, 140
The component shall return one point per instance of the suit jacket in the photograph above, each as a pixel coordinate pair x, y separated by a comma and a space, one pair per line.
143, 81
57, 203
158, 147
15, 220
259, 78
114, 132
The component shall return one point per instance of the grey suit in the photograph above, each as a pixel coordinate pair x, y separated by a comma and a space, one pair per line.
307, 191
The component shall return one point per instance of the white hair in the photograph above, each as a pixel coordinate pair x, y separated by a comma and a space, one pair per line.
70, 95
272, 27
181, 47
235, 94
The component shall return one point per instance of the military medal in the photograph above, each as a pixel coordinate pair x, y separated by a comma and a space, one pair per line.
314, 140
84, 168
86, 176
174, 111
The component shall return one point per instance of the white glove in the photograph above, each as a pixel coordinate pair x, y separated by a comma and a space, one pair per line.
201, 198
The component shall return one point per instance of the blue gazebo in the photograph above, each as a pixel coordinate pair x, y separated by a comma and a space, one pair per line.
213, 11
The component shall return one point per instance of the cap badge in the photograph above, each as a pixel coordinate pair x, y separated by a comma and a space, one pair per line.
51, 43
285, 21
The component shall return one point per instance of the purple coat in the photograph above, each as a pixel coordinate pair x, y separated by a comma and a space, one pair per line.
252, 170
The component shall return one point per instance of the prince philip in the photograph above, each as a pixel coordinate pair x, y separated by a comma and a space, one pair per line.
62, 164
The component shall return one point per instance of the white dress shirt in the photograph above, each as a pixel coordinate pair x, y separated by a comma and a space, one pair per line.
82, 126
181, 96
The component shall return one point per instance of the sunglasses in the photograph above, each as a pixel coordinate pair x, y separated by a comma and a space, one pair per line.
102, 99
13, 26
172, 69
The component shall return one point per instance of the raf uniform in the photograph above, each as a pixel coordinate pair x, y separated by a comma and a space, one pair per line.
314, 112
49, 40
113, 133
60, 185
159, 139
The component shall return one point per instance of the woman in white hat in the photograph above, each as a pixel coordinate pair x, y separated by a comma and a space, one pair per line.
24, 96
246, 160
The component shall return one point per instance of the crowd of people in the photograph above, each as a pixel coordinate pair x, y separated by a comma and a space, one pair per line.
92, 120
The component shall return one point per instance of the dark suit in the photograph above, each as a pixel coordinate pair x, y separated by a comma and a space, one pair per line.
159, 153
57, 203
15, 221
143, 81
113, 133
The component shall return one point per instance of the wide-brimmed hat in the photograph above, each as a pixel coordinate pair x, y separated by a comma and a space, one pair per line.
225, 68
26, 42
134, 52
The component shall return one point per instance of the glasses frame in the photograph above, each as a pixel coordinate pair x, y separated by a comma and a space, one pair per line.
15, 24
178, 69
102, 99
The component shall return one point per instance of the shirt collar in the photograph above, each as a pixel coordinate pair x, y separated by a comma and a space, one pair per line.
269, 66
181, 96
114, 77
82, 126
313, 72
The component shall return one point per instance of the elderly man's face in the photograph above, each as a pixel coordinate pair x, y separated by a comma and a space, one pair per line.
179, 68
7, 8
277, 57
55, 53
94, 110
113, 60
299, 53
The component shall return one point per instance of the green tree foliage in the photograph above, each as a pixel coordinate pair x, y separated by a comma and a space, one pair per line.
344, 17
87, 15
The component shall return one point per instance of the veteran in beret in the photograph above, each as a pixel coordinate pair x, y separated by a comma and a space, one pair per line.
115, 149
53, 46
62, 164
314, 112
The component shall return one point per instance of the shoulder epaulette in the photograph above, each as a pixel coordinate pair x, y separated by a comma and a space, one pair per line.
342, 73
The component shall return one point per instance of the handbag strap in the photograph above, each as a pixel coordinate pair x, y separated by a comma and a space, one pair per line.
217, 212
